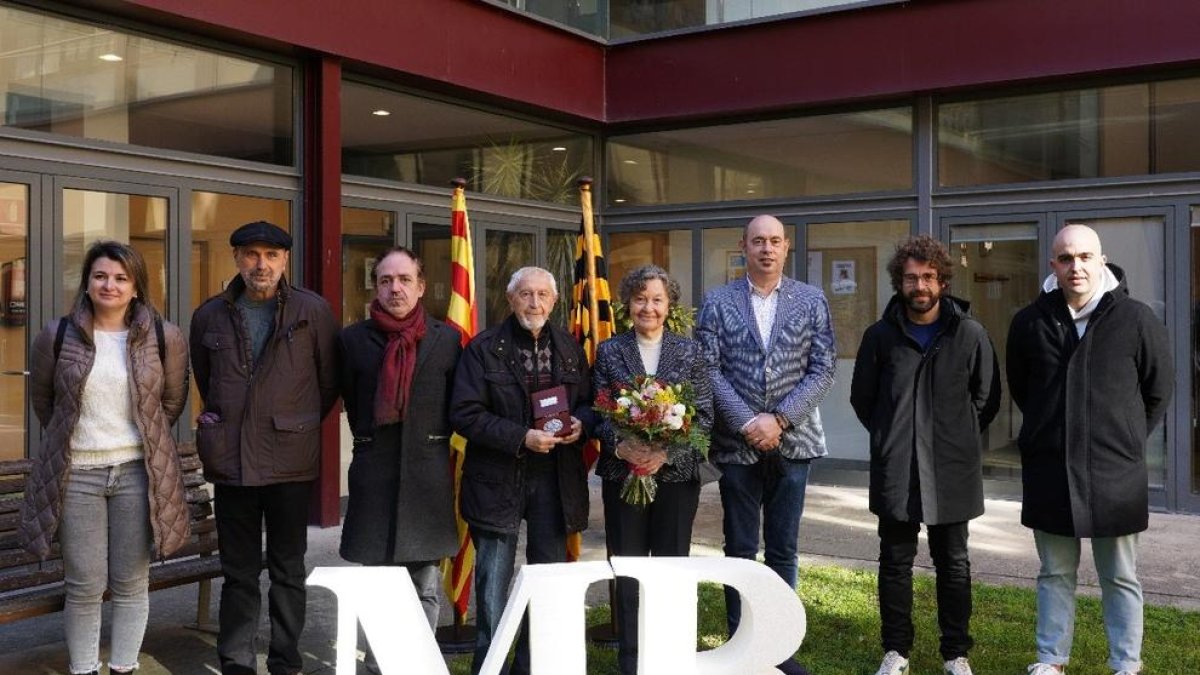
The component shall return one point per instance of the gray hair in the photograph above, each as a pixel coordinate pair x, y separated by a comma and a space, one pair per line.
520, 275
637, 278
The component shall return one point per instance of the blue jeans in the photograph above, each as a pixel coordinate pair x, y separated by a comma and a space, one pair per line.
495, 558
105, 537
1120, 597
769, 495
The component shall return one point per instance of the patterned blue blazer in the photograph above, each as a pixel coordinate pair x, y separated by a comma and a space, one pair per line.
788, 374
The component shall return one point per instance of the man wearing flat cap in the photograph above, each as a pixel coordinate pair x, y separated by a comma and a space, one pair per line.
265, 359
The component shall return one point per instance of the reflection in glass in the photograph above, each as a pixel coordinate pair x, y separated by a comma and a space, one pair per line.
14, 303
66, 77
998, 272
432, 243
1125, 130
560, 260
137, 220
400, 137
670, 250
1136, 245
856, 300
505, 253
842, 153
365, 232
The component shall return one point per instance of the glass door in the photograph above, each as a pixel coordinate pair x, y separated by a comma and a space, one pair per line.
365, 232
431, 241
16, 199
1193, 458
998, 271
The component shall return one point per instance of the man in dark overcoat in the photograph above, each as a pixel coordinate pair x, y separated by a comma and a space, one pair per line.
926, 383
514, 469
397, 374
1091, 371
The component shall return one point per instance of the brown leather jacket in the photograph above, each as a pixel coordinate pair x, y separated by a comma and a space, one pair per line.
270, 412
159, 390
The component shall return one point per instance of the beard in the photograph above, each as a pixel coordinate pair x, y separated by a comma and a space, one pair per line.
921, 302
532, 324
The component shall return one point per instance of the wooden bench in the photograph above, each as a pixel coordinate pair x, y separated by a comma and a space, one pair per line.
30, 587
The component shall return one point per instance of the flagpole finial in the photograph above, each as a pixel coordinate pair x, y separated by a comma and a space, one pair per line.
459, 182
584, 183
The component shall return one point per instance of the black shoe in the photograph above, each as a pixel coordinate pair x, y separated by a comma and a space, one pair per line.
791, 667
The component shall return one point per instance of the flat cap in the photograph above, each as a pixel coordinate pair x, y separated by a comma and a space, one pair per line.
261, 232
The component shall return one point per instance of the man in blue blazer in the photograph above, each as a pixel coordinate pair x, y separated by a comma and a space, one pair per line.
769, 345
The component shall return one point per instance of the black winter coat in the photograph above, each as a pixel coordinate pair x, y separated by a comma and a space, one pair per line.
934, 404
1089, 404
490, 408
401, 502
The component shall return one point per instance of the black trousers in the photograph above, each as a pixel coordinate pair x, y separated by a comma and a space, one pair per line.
241, 513
662, 528
948, 548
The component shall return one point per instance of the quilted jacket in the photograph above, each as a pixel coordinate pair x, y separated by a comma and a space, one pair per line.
159, 391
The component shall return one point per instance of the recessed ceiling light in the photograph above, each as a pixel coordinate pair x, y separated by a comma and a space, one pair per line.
750, 191
559, 148
381, 112
629, 161
619, 200
111, 58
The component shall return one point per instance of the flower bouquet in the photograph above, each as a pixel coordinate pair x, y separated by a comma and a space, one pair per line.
651, 411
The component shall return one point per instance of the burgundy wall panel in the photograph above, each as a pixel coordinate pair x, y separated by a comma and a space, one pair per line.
893, 51
463, 43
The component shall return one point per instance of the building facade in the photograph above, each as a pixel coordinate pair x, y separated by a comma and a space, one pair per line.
988, 123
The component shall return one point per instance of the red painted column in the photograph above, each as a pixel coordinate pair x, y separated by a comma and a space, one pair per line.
322, 169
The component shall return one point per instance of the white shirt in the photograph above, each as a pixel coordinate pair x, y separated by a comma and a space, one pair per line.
105, 434
650, 350
764, 307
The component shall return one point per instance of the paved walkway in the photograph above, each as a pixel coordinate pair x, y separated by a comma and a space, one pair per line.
836, 530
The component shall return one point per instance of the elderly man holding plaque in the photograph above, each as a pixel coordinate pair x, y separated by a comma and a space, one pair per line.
522, 396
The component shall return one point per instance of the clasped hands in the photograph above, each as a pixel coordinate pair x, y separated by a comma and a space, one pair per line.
544, 441
763, 432
643, 458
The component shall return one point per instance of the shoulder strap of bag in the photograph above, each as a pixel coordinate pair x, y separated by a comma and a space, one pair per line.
158, 333
58, 337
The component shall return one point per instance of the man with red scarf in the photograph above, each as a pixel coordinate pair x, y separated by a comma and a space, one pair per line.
397, 373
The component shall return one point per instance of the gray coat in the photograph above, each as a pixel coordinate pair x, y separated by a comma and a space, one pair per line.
401, 503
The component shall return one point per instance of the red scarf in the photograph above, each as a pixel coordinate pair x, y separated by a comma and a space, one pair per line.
399, 362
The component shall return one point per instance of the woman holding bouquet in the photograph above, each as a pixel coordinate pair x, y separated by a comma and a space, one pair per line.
655, 402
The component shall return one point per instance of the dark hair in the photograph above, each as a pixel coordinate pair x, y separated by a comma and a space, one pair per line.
636, 279
135, 267
924, 249
397, 249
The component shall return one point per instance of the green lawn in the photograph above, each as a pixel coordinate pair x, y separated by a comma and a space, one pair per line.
843, 630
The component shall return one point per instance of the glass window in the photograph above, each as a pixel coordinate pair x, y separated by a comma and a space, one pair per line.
796, 157
1195, 457
670, 250
848, 261
1135, 129
560, 260
998, 271
137, 220
1135, 245
400, 137
14, 285
365, 232
66, 77
506, 252
432, 243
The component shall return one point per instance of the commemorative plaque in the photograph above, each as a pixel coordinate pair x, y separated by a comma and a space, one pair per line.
550, 411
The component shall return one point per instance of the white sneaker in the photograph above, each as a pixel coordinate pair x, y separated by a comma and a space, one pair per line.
957, 666
893, 664
1044, 669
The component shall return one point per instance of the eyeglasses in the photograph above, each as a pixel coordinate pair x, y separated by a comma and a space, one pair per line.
928, 277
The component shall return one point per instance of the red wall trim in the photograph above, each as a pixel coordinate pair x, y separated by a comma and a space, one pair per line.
462, 43
893, 51
322, 159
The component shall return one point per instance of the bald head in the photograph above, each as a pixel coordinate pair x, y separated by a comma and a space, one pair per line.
765, 243
1078, 264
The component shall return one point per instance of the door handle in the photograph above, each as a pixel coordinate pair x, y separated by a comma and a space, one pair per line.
18, 373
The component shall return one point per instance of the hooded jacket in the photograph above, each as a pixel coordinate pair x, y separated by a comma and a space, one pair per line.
1089, 402
159, 388
931, 405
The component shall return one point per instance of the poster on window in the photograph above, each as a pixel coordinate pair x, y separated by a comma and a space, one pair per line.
843, 282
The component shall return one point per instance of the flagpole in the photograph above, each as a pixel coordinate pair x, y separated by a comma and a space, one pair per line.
589, 231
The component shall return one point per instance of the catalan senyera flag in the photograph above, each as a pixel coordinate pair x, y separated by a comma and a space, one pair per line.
591, 313
457, 571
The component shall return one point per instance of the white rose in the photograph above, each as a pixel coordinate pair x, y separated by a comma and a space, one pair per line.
679, 409
674, 421
624, 401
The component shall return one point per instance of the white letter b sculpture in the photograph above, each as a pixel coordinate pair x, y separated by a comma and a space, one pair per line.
383, 600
